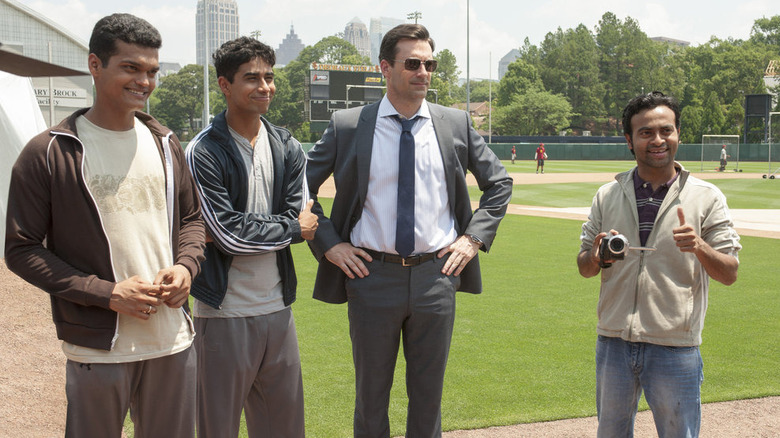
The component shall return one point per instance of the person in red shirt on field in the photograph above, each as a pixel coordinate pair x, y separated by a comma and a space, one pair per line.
541, 155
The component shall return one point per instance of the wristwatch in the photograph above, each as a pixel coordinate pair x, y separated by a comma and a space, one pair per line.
476, 240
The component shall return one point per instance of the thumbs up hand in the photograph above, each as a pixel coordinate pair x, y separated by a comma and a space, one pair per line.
308, 221
685, 236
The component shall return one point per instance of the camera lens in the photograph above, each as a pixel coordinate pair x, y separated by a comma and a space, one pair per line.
618, 244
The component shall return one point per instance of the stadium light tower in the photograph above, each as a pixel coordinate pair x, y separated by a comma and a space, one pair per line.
206, 105
416, 15
468, 62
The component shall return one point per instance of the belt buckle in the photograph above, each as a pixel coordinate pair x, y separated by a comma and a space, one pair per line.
407, 261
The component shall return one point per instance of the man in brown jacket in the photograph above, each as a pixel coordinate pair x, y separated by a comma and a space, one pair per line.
103, 215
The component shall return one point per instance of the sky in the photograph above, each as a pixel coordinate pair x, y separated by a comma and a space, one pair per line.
496, 26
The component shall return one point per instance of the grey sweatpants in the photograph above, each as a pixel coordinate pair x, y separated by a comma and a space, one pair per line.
251, 364
160, 394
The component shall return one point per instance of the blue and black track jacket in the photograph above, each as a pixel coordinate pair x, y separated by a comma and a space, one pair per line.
222, 182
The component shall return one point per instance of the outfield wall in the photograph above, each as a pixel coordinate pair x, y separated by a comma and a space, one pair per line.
619, 151
686, 152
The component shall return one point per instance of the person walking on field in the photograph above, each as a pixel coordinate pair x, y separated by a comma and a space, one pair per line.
653, 300
514, 154
103, 215
723, 159
540, 156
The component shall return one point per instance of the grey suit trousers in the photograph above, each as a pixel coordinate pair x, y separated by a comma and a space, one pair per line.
394, 304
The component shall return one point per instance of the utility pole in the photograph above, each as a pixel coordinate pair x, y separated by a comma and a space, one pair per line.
206, 106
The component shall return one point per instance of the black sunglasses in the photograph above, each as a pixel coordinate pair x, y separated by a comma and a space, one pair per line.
414, 64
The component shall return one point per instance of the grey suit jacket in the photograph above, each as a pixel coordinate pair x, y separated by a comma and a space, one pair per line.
345, 152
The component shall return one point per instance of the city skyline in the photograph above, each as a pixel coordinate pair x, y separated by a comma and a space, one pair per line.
496, 26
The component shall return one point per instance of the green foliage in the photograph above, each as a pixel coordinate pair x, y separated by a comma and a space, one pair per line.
766, 31
733, 119
521, 77
712, 117
178, 99
445, 78
599, 72
691, 124
535, 112
569, 66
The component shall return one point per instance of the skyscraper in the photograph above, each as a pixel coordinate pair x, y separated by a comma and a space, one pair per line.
356, 33
289, 49
503, 64
222, 18
378, 29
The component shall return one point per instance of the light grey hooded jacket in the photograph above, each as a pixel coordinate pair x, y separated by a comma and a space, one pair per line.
660, 296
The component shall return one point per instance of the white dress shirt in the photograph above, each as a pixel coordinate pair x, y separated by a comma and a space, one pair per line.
434, 224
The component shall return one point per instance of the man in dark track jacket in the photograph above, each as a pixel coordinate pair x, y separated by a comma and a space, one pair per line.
251, 177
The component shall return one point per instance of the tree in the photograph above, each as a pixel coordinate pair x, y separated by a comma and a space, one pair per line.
767, 31
521, 77
690, 124
734, 118
178, 99
569, 66
712, 116
534, 112
628, 62
445, 78
335, 50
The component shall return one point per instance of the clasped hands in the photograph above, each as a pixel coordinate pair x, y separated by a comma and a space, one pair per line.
140, 299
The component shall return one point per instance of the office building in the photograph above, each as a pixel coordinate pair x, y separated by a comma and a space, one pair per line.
503, 64
222, 19
377, 30
289, 49
356, 33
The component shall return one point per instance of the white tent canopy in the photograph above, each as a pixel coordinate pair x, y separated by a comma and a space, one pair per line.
20, 120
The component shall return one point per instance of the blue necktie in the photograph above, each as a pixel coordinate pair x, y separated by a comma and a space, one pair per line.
404, 228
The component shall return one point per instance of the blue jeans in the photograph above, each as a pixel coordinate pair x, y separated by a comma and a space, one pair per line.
670, 377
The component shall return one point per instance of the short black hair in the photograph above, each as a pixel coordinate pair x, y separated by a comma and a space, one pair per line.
126, 28
408, 31
232, 54
649, 101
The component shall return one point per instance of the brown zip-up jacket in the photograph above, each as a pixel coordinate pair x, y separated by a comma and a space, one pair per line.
55, 238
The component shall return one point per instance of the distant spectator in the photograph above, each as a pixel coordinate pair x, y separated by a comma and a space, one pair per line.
540, 155
723, 157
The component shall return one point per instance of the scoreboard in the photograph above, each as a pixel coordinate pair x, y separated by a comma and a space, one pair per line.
332, 87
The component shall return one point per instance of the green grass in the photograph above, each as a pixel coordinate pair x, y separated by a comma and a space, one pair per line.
523, 351
615, 166
750, 192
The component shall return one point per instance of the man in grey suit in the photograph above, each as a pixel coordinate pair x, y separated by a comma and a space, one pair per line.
398, 251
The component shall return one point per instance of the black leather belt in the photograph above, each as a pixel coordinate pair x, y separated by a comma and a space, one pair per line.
403, 261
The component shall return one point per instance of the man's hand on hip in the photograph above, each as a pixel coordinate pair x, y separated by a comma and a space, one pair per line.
463, 250
348, 258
